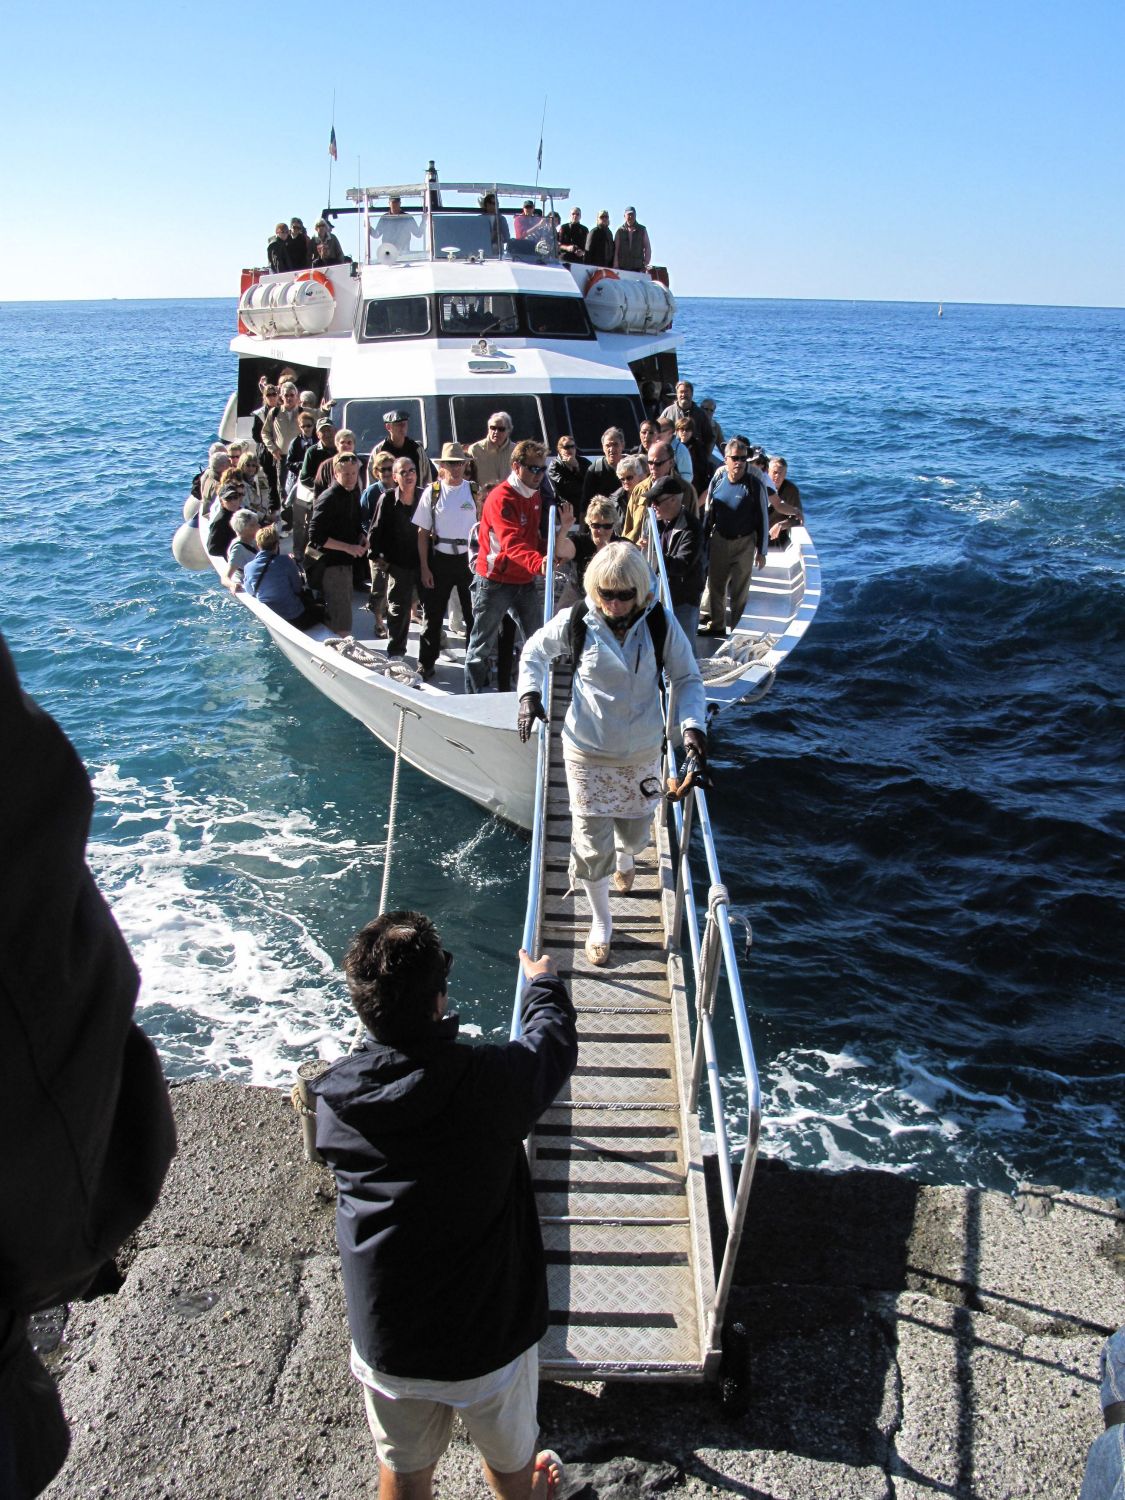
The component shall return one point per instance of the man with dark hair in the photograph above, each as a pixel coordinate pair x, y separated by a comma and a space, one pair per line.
440, 1250
511, 558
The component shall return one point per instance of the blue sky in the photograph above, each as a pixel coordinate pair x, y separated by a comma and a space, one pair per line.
947, 151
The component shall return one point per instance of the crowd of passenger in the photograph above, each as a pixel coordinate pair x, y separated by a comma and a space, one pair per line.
628, 248
467, 532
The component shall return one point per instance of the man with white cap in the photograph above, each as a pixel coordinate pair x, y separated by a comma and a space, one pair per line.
631, 248
445, 516
395, 227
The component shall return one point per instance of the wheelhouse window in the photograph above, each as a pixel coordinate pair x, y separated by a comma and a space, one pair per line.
471, 414
557, 317
474, 314
591, 415
397, 318
463, 234
365, 418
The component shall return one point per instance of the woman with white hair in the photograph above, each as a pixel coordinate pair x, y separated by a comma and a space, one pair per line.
614, 729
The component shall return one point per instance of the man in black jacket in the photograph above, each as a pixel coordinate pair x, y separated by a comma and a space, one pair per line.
91, 1132
681, 543
440, 1248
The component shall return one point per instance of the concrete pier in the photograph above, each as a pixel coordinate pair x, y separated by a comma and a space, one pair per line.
903, 1341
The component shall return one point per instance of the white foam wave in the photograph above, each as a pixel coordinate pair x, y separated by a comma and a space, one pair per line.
233, 980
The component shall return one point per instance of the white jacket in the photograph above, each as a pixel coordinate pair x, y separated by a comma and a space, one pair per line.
615, 705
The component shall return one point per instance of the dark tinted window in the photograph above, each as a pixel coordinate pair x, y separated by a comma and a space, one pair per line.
476, 313
591, 415
397, 318
471, 414
562, 317
365, 418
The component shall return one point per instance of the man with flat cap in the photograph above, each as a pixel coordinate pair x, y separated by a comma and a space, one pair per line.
399, 445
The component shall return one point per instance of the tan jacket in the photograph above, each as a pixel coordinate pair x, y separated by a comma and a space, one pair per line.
493, 465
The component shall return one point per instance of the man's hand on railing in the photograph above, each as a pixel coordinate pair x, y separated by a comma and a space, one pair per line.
695, 772
531, 708
532, 968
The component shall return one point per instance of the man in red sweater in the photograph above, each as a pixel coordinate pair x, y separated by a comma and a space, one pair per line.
511, 559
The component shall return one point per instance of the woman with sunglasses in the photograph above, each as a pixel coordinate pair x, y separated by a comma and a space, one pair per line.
602, 526
614, 728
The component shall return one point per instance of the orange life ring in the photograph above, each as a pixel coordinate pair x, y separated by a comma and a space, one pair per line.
603, 273
317, 276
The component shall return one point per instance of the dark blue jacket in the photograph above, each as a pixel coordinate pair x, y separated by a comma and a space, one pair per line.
436, 1221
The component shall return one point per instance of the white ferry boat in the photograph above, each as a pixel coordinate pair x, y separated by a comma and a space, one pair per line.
463, 323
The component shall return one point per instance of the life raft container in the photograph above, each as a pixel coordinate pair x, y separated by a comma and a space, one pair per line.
284, 309
628, 304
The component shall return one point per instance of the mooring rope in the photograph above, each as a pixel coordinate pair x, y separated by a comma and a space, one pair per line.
361, 1029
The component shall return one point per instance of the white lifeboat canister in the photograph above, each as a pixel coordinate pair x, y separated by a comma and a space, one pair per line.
661, 307
285, 309
255, 311
619, 304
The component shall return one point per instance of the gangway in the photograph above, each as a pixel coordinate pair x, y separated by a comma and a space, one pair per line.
617, 1161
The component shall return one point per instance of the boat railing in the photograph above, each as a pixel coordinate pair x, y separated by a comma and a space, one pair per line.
456, 231
542, 767
714, 964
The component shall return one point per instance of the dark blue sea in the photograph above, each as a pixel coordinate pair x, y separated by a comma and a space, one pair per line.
922, 823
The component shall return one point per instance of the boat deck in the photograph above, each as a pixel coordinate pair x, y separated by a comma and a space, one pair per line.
616, 1161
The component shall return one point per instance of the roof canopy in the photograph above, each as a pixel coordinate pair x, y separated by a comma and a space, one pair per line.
406, 189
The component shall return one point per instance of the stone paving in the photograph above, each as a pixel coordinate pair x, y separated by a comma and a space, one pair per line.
901, 1341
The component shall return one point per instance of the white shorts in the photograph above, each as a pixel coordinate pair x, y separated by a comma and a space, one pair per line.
412, 1420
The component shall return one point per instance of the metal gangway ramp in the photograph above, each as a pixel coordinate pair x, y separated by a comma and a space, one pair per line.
617, 1161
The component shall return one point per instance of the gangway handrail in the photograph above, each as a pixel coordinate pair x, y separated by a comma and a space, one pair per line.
712, 955
542, 768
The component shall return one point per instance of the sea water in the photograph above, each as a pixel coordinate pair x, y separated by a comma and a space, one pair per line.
921, 826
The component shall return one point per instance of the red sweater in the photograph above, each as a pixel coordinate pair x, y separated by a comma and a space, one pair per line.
510, 549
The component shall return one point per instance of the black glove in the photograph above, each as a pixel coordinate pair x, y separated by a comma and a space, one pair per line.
531, 708
695, 757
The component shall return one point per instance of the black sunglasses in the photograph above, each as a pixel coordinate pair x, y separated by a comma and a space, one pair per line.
534, 468
618, 595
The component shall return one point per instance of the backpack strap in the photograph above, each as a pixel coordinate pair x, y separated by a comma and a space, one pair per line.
656, 620
576, 630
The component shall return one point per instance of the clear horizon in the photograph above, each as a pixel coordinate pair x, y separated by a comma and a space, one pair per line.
876, 152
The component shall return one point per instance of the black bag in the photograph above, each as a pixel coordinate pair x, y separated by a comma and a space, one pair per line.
316, 562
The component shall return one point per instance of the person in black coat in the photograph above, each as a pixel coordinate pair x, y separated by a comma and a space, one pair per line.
277, 250
681, 544
440, 1248
90, 1126
566, 472
599, 247
300, 246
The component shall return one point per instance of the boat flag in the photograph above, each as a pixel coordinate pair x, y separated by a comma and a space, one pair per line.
332, 145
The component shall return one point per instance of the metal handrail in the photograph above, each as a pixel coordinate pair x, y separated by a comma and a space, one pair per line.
713, 956
542, 767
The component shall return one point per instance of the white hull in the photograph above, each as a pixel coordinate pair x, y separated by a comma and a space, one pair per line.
469, 743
